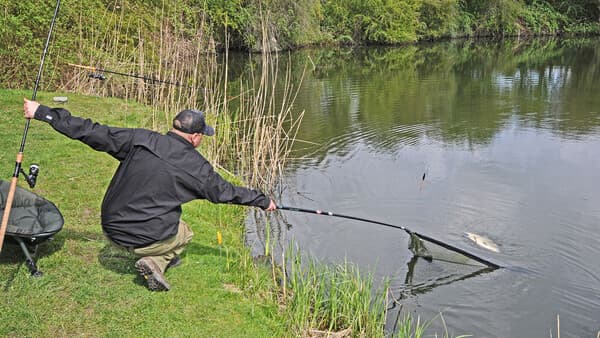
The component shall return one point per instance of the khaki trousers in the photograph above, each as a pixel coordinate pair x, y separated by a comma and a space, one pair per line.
164, 251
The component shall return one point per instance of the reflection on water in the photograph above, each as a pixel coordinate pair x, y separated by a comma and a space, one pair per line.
451, 92
440, 274
508, 135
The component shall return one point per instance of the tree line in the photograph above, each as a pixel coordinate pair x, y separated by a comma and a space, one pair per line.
113, 31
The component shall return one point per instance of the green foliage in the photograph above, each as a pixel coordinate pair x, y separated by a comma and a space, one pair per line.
289, 23
541, 18
532, 17
585, 28
372, 21
577, 10
440, 18
333, 298
23, 28
89, 32
500, 18
293, 23
132, 32
408, 327
229, 17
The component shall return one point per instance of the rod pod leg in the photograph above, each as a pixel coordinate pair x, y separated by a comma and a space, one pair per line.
29, 262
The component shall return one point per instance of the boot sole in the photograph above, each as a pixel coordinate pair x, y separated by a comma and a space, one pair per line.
155, 280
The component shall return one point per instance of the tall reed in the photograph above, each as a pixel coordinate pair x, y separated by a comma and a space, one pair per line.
328, 299
261, 125
170, 56
262, 130
255, 129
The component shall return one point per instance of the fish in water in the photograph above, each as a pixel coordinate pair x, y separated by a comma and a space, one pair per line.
482, 241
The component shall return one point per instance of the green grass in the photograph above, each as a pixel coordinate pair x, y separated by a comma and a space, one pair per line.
90, 288
334, 299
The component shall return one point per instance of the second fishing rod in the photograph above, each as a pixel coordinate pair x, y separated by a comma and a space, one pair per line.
98, 73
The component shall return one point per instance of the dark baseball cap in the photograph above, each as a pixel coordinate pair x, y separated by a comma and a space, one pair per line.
192, 121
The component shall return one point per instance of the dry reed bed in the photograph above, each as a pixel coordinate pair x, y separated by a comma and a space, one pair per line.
255, 133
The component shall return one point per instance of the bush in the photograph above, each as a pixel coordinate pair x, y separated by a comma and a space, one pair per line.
541, 18
372, 21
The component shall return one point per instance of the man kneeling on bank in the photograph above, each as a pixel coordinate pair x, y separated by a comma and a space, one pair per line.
141, 209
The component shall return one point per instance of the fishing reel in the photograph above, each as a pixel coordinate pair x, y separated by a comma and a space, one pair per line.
97, 76
31, 178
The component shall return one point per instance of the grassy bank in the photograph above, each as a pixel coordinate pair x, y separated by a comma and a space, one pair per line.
90, 288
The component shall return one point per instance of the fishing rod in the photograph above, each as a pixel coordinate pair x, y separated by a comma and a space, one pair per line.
33, 170
97, 73
410, 232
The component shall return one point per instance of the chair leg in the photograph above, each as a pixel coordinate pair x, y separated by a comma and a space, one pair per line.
29, 262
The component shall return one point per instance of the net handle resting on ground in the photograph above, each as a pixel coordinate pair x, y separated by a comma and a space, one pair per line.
19, 161
421, 236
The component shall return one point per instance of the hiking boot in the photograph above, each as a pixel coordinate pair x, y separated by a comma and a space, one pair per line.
152, 274
175, 262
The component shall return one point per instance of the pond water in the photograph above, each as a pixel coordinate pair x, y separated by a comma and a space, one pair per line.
507, 138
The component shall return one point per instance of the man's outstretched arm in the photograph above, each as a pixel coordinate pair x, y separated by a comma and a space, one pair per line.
115, 141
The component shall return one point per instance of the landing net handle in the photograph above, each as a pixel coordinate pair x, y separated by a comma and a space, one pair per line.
421, 236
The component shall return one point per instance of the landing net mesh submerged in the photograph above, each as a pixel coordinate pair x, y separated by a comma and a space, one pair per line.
431, 251
433, 265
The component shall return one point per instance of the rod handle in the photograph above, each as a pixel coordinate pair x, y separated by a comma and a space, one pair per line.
5, 217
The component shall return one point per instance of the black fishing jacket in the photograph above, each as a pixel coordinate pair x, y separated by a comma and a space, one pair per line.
157, 174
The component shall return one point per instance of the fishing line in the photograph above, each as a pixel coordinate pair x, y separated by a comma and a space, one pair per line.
304, 195
413, 234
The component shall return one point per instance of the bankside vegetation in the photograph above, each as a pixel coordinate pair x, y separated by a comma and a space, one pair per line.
178, 41
134, 35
